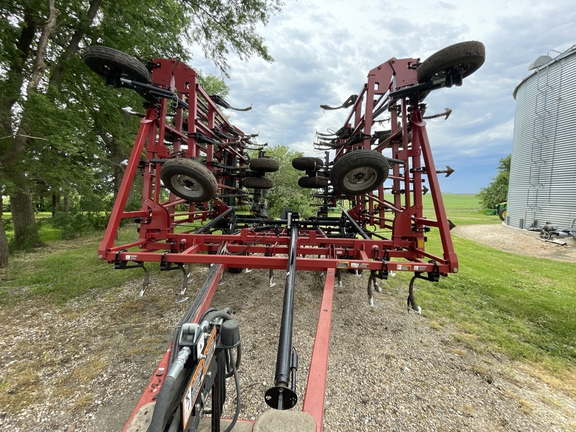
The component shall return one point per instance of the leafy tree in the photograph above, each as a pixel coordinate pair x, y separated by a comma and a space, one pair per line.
286, 192
497, 191
58, 127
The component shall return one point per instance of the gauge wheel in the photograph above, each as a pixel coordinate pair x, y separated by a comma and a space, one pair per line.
264, 165
307, 163
545, 235
359, 172
189, 179
105, 60
468, 56
257, 182
312, 182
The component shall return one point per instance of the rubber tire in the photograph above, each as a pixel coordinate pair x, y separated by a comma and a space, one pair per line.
545, 235
359, 162
312, 182
469, 55
102, 59
502, 214
307, 163
257, 183
264, 165
189, 179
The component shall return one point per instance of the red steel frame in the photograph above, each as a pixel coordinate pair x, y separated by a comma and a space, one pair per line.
190, 124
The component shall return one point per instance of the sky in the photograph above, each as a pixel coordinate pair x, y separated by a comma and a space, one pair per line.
324, 49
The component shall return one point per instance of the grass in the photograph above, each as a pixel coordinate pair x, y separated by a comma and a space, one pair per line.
461, 209
62, 271
520, 306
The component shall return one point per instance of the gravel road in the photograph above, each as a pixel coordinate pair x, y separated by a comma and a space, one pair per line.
82, 366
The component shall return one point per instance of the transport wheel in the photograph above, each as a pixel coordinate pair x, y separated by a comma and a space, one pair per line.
468, 56
257, 182
264, 165
502, 214
189, 179
359, 171
307, 163
104, 60
545, 235
312, 182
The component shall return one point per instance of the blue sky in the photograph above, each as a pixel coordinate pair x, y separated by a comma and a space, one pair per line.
323, 51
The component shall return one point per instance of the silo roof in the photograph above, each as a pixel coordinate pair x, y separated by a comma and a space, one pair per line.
570, 51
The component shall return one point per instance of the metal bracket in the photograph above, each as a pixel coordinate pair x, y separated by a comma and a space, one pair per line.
120, 264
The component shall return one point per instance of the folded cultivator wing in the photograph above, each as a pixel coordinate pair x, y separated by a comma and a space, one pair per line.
196, 173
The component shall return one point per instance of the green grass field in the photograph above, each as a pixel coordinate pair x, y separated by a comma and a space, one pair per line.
520, 306
461, 210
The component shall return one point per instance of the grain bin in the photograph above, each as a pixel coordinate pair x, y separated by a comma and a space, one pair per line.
542, 184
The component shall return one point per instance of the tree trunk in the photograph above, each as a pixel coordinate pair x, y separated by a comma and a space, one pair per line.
55, 204
26, 234
4, 251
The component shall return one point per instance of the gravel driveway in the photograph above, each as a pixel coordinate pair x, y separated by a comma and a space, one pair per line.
82, 366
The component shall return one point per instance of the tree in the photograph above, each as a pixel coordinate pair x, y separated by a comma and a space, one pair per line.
40, 68
286, 192
497, 191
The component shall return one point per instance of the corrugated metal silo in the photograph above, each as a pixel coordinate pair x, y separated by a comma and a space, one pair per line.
542, 184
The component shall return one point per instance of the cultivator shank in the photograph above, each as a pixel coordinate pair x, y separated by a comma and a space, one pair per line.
198, 180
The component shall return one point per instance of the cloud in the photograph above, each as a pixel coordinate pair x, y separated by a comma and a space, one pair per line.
324, 50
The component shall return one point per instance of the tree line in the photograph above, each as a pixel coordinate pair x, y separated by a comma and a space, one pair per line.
63, 134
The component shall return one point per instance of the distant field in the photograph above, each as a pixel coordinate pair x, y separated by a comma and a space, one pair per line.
461, 209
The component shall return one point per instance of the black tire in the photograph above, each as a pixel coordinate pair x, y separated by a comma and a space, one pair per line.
312, 182
467, 55
307, 163
502, 214
264, 165
359, 172
189, 179
104, 60
257, 183
545, 235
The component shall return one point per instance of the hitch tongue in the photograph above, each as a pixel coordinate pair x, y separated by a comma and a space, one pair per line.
280, 396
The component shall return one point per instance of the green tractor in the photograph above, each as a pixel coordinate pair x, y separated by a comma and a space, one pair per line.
501, 210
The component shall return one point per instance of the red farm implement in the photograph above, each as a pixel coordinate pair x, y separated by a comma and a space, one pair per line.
195, 167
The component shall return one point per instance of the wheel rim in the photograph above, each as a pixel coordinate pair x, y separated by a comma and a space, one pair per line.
360, 179
187, 186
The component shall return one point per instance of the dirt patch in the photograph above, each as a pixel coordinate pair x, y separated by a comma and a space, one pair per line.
83, 366
518, 241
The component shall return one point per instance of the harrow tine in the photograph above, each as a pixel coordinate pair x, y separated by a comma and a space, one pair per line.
186, 274
411, 301
372, 287
271, 278
146, 281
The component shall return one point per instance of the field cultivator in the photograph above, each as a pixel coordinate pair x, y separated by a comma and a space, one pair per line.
196, 169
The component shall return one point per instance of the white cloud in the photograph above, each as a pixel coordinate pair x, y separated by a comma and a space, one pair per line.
324, 50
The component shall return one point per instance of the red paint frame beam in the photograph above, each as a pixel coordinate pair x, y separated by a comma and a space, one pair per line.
316, 386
